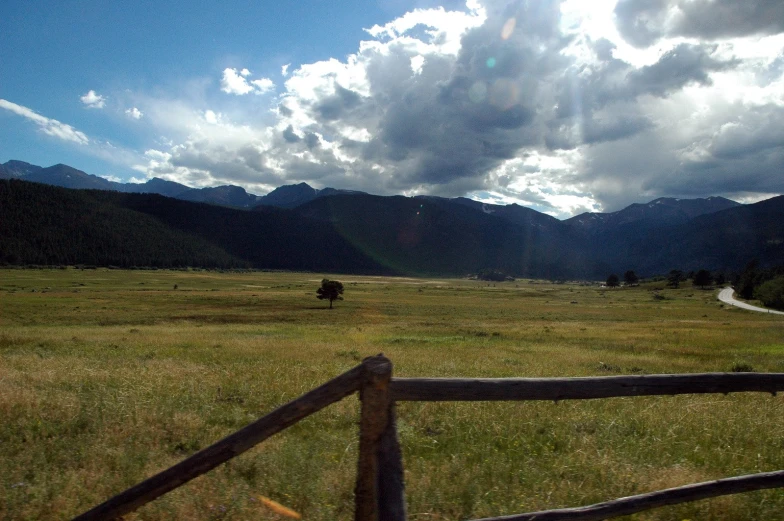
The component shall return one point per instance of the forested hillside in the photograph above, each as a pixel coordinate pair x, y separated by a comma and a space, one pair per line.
361, 233
41, 224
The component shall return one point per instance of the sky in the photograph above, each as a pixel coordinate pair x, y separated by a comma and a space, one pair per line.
561, 106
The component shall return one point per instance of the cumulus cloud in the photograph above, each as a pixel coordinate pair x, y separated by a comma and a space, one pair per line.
236, 82
48, 126
93, 100
207, 148
507, 102
467, 104
134, 113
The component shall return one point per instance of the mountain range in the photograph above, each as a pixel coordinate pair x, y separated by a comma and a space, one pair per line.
165, 224
65, 176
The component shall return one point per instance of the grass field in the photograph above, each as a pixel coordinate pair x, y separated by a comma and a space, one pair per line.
109, 376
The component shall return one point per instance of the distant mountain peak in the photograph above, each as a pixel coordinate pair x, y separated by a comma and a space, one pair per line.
17, 169
662, 211
289, 196
292, 196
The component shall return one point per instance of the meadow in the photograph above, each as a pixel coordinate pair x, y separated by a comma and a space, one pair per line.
108, 376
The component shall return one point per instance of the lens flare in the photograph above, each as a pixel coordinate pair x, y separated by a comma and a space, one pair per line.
490, 62
478, 92
508, 28
279, 509
503, 94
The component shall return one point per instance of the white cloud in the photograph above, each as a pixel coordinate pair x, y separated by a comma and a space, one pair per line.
416, 63
236, 82
211, 117
209, 147
48, 126
444, 28
134, 113
263, 85
284, 70
93, 100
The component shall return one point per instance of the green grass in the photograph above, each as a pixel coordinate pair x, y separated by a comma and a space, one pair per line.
109, 376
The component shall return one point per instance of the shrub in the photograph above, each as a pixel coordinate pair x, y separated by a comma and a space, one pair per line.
742, 367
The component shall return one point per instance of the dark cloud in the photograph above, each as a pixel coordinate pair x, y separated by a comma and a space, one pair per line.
290, 136
311, 140
683, 65
643, 22
744, 154
247, 164
598, 130
335, 106
311, 171
756, 131
760, 173
727, 18
589, 88
253, 158
459, 120
597, 103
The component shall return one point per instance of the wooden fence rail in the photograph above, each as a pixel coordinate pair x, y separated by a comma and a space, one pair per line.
671, 496
495, 389
379, 491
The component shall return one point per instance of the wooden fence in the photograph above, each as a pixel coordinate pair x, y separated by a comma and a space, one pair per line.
379, 491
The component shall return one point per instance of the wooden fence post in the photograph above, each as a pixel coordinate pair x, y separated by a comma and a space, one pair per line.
378, 494
391, 487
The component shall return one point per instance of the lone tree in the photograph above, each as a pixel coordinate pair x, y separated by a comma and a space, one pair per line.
630, 278
702, 278
613, 281
330, 290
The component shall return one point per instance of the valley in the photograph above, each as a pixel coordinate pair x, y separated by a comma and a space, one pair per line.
107, 376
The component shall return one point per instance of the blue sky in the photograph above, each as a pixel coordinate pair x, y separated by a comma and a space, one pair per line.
52, 53
560, 106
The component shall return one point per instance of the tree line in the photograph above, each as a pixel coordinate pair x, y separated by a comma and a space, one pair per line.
754, 282
764, 284
51, 226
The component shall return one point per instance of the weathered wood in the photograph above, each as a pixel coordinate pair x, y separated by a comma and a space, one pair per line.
671, 496
391, 487
493, 389
374, 393
227, 448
